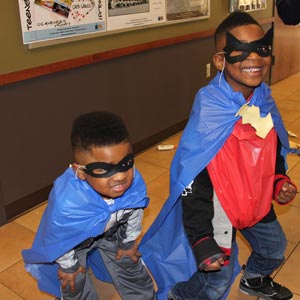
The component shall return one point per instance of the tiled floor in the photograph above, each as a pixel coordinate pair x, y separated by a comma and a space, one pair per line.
16, 284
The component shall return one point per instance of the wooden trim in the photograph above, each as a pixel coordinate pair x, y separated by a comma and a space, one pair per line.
26, 203
98, 57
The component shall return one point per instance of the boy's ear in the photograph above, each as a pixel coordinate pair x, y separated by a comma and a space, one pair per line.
78, 171
218, 61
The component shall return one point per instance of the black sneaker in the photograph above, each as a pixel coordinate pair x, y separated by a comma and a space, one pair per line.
265, 288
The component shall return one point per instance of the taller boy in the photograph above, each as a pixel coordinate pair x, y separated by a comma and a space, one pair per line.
229, 165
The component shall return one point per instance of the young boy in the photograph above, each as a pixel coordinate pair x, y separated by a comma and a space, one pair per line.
94, 217
228, 167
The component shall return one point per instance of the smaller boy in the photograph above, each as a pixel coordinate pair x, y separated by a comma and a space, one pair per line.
94, 217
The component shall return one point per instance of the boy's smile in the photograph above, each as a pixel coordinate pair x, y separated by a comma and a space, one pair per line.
244, 75
115, 185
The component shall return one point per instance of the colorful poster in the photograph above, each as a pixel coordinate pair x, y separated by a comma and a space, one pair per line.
53, 19
187, 9
43, 20
133, 13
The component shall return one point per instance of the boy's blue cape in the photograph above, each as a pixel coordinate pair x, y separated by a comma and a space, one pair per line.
75, 212
165, 247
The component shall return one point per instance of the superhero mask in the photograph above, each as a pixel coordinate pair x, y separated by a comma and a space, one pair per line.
104, 170
262, 47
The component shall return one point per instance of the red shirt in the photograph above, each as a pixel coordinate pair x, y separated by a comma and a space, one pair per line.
242, 173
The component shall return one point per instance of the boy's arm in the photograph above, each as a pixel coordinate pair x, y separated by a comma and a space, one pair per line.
198, 212
68, 261
284, 189
129, 229
68, 269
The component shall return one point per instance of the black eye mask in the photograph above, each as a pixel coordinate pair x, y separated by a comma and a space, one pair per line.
262, 47
104, 170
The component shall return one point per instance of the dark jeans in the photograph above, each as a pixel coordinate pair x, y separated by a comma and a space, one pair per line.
268, 244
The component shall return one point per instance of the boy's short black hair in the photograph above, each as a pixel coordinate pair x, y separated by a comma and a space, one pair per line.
97, 129
235, 19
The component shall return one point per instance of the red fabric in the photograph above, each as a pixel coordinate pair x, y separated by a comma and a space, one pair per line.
243, 173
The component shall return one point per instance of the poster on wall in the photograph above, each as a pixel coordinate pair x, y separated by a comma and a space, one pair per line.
54, 19
187, 9
247, 5
43, 20
123, 14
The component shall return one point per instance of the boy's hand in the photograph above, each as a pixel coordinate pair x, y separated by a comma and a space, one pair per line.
69, 278
286, 193
215, 266
133, 253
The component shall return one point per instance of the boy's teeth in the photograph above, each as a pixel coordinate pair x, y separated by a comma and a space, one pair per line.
251, 70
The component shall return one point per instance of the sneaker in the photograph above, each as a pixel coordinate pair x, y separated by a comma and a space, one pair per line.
265, 288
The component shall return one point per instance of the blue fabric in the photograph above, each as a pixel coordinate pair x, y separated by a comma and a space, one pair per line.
75, 212
165, 247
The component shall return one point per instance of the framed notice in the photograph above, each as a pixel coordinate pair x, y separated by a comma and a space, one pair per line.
122, 14
180, 10
54, 19
247, 5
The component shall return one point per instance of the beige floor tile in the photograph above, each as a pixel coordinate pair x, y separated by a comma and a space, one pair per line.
288, 217
289, 273
14, 239
106, 291
19, 281
297, 121
7, 294
280, 94
290, 105
292, 161
31, 220
295, 171
289, 115
151, 211
157, 158
148, 171
295, 128
160, 186
294, 97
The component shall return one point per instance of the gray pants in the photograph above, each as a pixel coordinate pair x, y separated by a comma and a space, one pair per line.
131, 280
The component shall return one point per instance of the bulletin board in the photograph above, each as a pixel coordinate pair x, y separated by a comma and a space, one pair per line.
46, 20
19, 61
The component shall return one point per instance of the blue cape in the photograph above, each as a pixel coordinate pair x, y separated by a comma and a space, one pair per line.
75, 212
165, 247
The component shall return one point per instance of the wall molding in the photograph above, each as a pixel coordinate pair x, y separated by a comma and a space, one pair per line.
23, 205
